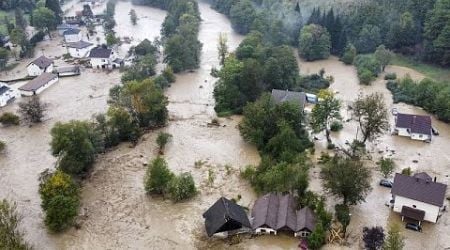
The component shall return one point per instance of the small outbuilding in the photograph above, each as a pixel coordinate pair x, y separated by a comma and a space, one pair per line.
67, 71
7, 94
225, 216
72, 35
38, 84
298, 98
418, 197
274, 213
40, 65
417, 127
79, 49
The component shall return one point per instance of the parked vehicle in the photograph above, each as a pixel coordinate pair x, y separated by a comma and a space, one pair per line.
386, 183
413, 226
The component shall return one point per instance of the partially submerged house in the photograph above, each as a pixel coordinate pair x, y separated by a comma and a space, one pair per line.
7, 94
417, 127
280, 96
38, 84
40, 65
225, 216
101, 58
79, 49
418, 197
68, 71
72, 35
273, 213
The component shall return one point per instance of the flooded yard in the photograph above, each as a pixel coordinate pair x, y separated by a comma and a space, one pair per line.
117, 214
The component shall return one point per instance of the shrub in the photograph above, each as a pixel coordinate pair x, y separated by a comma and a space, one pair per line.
33, 109
331, 146
343, 215
336, 126
2, 146
67, 56
387, 166
182, 187
407, 171
157, 177
11, 237
9, 118
390, 76
162, 140
60, 200
168, 74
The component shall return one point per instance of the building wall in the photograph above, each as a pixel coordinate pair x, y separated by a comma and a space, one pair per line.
73, 38
420, 137
431, 211
34, 70
79, 53
265, 230
99, 62
38, 91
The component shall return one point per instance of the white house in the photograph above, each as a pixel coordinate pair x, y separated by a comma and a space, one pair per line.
79, 49
417, 127
6, 94
101, 58
40, 65
418, 197
38, 84
72, 35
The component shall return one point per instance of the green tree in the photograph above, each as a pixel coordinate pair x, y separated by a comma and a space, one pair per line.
372, 115
343, 215
347, 179
122, 122
326, 111
145, 47
387, 166
162, 140
242, 15
373, 238
111, 39
182, 187
437, 33
158, 177
133, 16
317, 238
349, 54
383, 56
33, 110
60, 200
55, 7
11, 237
222, 47
314, 42
394, 239
75, 144
4, 56
368, 39
44, 19
168, 74
18, 37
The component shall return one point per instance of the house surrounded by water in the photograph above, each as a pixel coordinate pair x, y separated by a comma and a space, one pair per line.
101, 58
417, 127
40, 65
79, 49
38, 84
418, 197
298, 98
7, 94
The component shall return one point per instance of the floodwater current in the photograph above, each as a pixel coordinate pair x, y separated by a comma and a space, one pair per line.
117, 214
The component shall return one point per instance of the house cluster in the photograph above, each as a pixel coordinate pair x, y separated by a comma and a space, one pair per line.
271, 214
418, 198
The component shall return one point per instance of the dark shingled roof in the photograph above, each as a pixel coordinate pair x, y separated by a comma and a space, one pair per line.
100, 52
223, 216
79, 45
419, 124
280, 96
71, 31
419, 189
3, 89
278, 212
42, 62
38, 82
413, 213
423, 176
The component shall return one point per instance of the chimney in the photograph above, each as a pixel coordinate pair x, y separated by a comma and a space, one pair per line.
414, 119
435, 179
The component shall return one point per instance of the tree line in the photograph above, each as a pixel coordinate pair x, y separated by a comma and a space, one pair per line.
179, 33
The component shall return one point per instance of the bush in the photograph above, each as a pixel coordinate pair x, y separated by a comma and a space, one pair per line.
407, 171
168, 74
158, 177
162, 140
182, 187
349, 54
11, 237
331, 146
390, 76
343, 215
9, 118
2, 146
336, 126
60, 200
33, 109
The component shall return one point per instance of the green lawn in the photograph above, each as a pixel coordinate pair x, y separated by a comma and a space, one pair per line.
432, 71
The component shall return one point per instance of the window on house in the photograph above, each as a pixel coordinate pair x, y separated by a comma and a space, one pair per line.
420, 136
263, 230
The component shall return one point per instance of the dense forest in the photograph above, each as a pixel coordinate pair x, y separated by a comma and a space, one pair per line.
412, 27
179, 32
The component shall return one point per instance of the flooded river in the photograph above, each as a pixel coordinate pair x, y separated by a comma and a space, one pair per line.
116, 213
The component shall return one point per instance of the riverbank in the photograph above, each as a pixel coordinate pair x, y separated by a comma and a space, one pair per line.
431, 71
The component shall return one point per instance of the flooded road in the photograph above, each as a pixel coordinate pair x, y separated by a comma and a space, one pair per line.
431, 157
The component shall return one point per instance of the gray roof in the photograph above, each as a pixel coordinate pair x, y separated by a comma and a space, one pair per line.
100, 52
423, 176
71, 31
420, 124
280, 96
419, 189
38, 82
223, 216
42, 62
278, 212
79, 45
68, 69
3, 89
413, 213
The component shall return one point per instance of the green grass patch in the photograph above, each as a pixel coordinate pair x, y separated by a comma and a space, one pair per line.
431, 71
